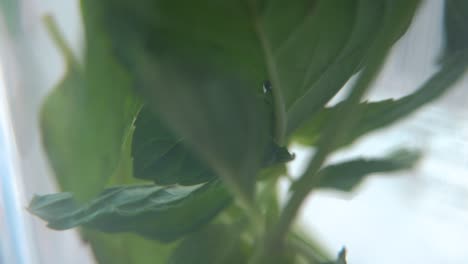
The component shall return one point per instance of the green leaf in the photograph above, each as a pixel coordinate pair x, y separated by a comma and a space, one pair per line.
375, 115
155, 212
216, 112
346, 175
126, 248
200, 79
456, 31
307, 246
86, 128
396, 20
160, 155
215, 244
87, 117
268, 199
219, 120
338, 65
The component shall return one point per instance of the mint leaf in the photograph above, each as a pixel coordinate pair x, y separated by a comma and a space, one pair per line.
333, 69
375, 115
216, 244
345, 176
201, 78
85, 120
85, 128
161, 156
155, 212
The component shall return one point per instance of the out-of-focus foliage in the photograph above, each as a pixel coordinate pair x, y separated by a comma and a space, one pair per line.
375, 115
155, 212
456, 32
202, 100
346, 175
160, 155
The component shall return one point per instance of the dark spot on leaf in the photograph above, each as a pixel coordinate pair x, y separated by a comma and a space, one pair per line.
266, 86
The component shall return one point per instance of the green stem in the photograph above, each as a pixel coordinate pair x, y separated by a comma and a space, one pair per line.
60, 41
252, 212
332, 135
396, 21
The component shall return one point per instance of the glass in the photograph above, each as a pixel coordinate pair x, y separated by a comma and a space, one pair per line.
30, 66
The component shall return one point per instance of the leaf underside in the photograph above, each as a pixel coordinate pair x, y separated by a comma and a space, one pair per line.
155, 212
345, 176
376, 115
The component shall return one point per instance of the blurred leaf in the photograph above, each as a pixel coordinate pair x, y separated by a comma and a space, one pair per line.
199, 66
200, 78
273, 172
397, 18
307, 246
268, 199
161, 213
127, 248
216, 244
161, 156
375, 115
221, 123
346, 175
456, 31
86, 128
86, 118
212, 108
10, 11
360, 23
310, 132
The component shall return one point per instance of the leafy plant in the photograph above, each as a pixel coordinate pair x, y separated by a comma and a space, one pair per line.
176, 124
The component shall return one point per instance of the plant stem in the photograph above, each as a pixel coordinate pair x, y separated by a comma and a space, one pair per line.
252, 212
60, 41
396, 21
332, 135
